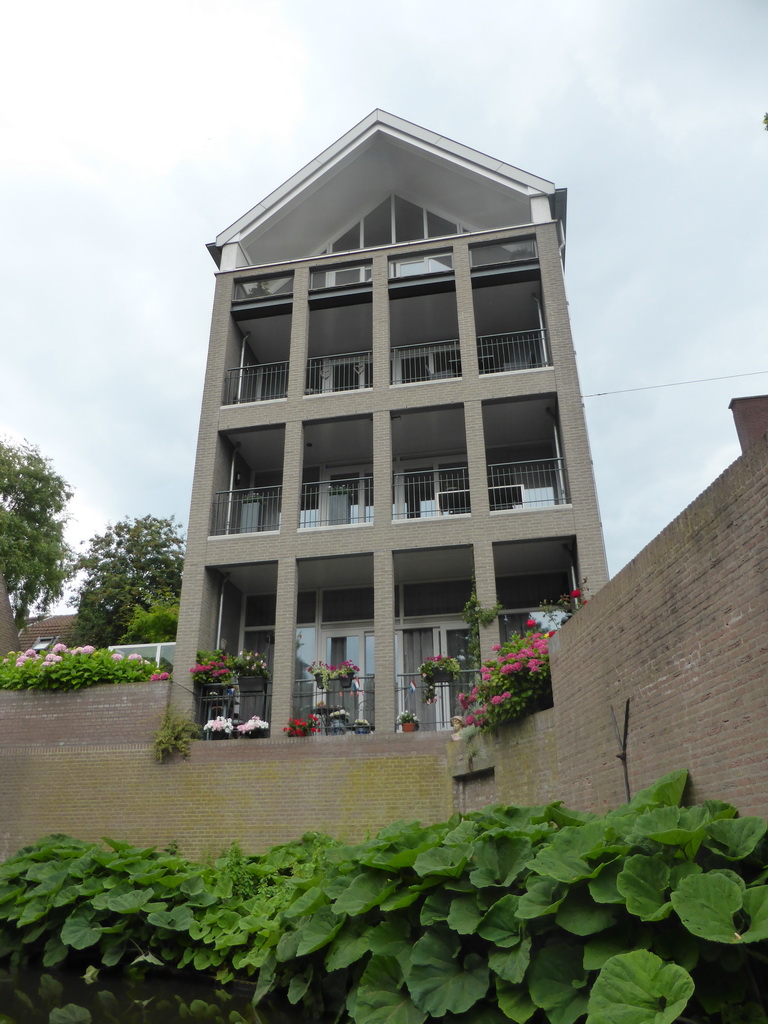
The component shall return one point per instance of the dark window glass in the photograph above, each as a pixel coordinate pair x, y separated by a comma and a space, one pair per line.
531, 591
409, 221
447, 597
377, 226
348, 605
260, 610
349, 240
305, 607
439, 226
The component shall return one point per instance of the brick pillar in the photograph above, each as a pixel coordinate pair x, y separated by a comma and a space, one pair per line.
285, 644
485, 585
384, 612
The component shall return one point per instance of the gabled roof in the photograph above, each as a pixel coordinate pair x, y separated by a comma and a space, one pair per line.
56, 628
381, 156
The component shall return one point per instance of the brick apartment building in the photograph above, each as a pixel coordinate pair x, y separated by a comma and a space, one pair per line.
391, 406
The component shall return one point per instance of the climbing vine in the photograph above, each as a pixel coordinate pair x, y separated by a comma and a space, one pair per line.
476, 616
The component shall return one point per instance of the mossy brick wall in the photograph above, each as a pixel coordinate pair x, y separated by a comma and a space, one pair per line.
682, 632
65, 777
116, 713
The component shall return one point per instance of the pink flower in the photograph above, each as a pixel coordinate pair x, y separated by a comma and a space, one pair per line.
30, 653
534, 665
531, 624
135, 657
88, 649
507, 670
496, 647
496, 699
470, 719
516, 666
20, 661
117, 656
59, 648
575, 593
159, 677
506, 695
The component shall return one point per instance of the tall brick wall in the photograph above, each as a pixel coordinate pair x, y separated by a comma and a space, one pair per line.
681, 632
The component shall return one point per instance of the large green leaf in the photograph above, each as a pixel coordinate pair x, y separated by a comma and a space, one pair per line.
639, 988
381, 996
366, 890
444, 861
580, 915
390, 937
439, 981
79, 932
544, 896
756, 905
511, 964
299, 984
405, 897
178, 919
499, 861
643, 882
130, 902
321, 927
308, 902
735, 838
666, 790
500, 925
706, 904
564, 859
465, 915
602, 888
514, 1001
675, 826
555, 978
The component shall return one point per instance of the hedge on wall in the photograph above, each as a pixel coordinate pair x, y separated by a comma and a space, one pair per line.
63, 668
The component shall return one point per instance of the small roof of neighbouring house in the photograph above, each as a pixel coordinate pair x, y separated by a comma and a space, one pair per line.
44, 633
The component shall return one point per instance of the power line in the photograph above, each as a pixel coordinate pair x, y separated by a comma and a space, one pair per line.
675, 384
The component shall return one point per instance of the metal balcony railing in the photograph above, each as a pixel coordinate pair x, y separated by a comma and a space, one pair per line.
256, 383
413, 364
347, 372
252, 510
515, 485
427, 493
238, 701
523, 350
436, 716
358, 700
346, 502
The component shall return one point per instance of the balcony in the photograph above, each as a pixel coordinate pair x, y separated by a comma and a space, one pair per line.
348, 372
258, 383
435, 717
358, 700
414, 364
522, 350
252, 510
425, 494
342, 502
517, 485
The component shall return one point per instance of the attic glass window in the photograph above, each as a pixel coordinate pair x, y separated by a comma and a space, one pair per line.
424, 263
394, 220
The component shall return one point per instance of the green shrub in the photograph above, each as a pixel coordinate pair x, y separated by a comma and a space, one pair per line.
65, 669
176, 732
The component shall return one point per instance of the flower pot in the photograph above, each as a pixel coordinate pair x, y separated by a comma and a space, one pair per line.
346, 681
254, 734
218, 734
319, 680
338, 728
439, 676
408, 726
362, 730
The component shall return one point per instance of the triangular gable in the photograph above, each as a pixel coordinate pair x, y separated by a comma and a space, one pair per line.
381, 156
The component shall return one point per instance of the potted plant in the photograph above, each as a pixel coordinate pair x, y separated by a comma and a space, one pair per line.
322, 674
211, 669
218, 728
339, 719
302, 726
254, 728
407, 721
345, 672
247, 665
437, 669
362, 726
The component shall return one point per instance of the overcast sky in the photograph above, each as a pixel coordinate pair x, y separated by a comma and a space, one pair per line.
132, 135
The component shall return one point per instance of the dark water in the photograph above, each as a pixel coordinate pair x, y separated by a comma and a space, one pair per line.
57, 997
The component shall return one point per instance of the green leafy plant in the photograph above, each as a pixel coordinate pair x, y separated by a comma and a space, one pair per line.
654, 913
476, 616
176, 732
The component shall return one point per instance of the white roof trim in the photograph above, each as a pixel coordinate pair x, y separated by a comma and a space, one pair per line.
379, 121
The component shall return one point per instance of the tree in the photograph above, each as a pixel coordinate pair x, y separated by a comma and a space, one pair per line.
134, 564
156, 626
34, 557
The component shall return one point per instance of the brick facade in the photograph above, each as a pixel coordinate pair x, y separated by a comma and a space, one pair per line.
680, 632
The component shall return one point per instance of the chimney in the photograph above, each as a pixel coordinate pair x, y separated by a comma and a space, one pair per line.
751, 418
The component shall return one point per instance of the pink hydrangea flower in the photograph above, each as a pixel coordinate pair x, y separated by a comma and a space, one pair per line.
58, 648
20, 661
470, 719
534, 665
31, 653
117, 656
135, 657
496, 699
88, 649
496, 647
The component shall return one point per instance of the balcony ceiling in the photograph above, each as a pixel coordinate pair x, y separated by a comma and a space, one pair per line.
381, 156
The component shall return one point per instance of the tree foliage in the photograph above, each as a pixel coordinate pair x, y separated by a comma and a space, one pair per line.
156, 625
134, 564
34, 557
